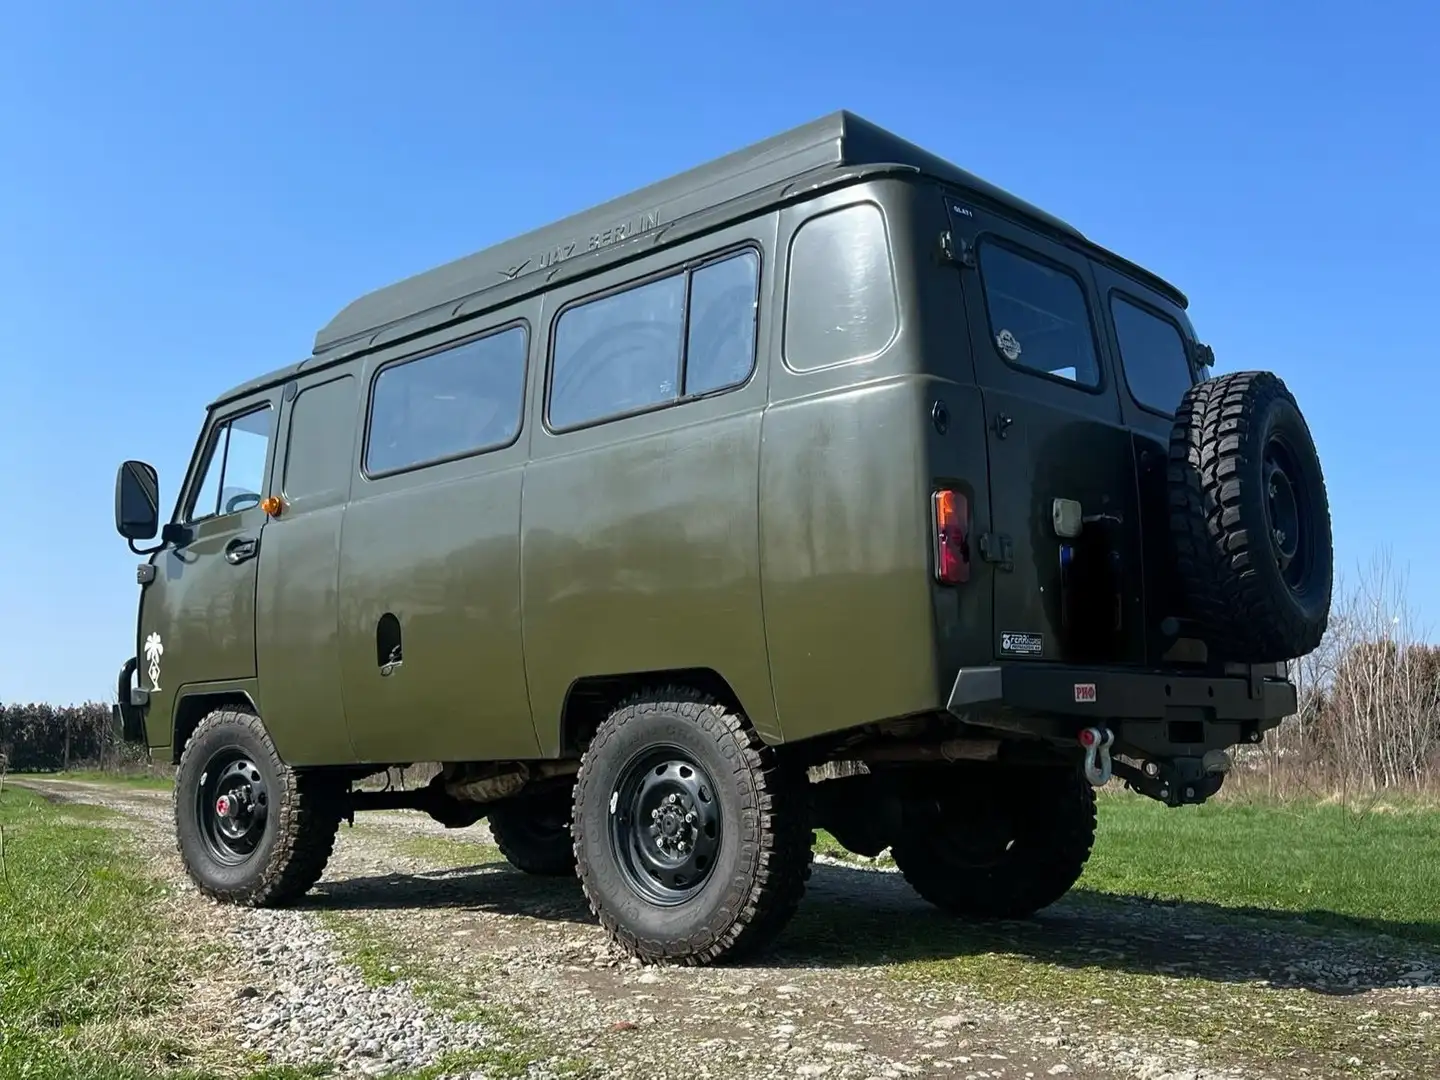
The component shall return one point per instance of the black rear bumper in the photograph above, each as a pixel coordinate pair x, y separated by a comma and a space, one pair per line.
1258, 693
128, 712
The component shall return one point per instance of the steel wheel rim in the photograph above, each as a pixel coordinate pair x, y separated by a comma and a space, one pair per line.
967, 835
1288, 518
232, 805
666, 825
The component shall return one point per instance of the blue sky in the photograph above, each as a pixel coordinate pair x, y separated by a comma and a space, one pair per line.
187, 192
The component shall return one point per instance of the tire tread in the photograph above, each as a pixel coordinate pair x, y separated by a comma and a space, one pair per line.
773, 794
1236, 608
309, 819
1019, 887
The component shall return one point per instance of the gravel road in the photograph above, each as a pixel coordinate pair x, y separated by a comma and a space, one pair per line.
484, 958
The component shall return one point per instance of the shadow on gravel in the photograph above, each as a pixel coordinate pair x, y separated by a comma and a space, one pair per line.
852, 917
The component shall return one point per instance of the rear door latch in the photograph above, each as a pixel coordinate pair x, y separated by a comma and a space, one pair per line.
999, 549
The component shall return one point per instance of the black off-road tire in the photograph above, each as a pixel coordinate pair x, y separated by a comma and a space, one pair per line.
1248, 600
303, 816
1047, 818
535, 836
764, 853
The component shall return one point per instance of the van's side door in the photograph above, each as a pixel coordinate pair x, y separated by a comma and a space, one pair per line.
297, 616
1055, 431
430, 637
197, 617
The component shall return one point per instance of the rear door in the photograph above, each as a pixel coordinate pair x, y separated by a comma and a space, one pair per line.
1153, 345
1056, 432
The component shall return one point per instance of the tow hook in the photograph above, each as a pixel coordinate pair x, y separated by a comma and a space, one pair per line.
1097, 742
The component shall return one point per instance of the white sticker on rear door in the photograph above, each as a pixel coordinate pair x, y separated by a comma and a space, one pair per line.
1008, 344
1021, 643
1085, 692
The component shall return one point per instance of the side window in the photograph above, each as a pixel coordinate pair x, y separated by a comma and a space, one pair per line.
322, 436
720, 343
234, 476
840, 299
462, 400
680, 336
1152, 355
618, 354
1039, 319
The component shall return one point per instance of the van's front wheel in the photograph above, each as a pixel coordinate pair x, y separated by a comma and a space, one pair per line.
250, 829
998, 845
691, 841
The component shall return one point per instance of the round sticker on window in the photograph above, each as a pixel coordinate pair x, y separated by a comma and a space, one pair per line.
1008, 345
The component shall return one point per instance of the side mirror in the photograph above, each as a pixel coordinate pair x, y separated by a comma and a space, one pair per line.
137, 501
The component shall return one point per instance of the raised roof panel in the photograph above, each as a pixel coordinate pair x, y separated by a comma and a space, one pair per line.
835, 141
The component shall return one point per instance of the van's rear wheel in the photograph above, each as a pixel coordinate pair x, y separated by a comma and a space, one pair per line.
996, 846
534, 836
691, 841
250, 829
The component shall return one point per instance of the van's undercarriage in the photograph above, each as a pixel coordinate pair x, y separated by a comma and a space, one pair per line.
1166, 734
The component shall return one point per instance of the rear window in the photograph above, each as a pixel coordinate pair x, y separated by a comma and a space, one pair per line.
840, 301
1152, 354
1038, 316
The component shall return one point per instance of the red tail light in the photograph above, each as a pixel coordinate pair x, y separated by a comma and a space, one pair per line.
951, 511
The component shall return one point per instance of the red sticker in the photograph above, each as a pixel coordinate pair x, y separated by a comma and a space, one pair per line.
1085, 691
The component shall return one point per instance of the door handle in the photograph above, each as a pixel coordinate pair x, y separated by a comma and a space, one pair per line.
240, 549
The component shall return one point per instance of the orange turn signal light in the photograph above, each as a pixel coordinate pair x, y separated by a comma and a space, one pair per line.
951, 514
272, 505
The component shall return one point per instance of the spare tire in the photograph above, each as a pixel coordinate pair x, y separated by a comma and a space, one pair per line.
1249, 519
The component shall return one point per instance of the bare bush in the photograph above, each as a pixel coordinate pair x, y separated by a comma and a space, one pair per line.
1369, 697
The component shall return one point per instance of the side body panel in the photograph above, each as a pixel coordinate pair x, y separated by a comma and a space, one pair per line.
640, 545
297, 644
197, 617
844, 476
436, 547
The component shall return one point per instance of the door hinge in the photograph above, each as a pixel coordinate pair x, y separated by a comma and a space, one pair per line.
956, 250
999, 549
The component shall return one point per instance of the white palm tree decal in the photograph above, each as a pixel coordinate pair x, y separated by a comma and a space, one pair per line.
154, 649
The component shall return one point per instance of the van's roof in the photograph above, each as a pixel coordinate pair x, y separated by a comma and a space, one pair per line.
831, 147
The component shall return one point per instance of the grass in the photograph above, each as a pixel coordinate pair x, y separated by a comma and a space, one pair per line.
86, 959
145, 781
449, 852
1329, 866
87, 962
77, 980
1238, 876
